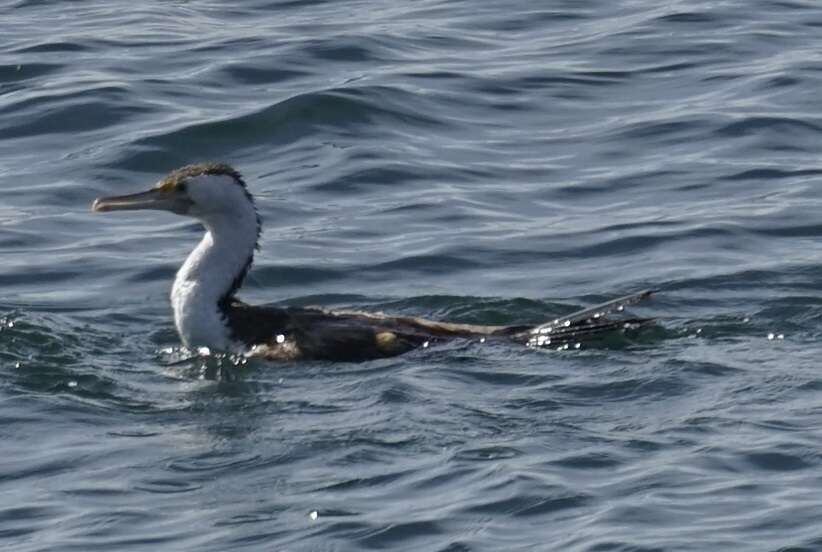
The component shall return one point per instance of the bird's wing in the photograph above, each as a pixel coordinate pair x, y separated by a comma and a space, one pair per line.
311, 333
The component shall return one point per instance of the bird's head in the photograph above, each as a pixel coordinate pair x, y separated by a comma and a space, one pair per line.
204, 191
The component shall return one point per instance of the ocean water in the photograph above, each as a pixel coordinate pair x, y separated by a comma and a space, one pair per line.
490, 162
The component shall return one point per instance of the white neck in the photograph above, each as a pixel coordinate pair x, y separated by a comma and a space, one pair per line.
206, 277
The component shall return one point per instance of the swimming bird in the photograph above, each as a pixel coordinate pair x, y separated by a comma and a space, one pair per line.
207, 312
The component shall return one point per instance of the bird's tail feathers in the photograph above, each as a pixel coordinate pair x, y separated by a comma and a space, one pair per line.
586, 324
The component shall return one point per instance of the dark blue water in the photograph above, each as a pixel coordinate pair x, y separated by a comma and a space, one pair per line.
489, 162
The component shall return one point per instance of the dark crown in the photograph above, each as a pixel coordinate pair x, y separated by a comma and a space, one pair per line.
197, 169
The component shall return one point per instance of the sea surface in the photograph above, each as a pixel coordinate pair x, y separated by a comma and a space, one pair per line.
477, 161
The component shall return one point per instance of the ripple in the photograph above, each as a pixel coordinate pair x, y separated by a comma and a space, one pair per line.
589, 461
48, 47
72, 113
771, 174
21, 73
23, 520
250, 75
776, 461
343, 109
618, 390
490, 453
525, 505
167, 486
688, 17
754, 125
395, 534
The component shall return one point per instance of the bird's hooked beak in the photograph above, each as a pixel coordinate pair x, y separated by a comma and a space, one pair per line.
164, 198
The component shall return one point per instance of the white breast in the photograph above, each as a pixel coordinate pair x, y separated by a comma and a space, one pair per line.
197, 317
201, 283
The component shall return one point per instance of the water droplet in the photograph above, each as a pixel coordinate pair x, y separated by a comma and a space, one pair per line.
425, 345
567, 323
578, 345
314, 515
482, 340
565, 347
545, 330
72, 384
746, 320
17, 364
280, 380
699, 331
11, 324
620, 308
280, 338
780, 336
771, 336
203, 351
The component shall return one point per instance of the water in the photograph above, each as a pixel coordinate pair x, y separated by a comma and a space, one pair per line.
476, 161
